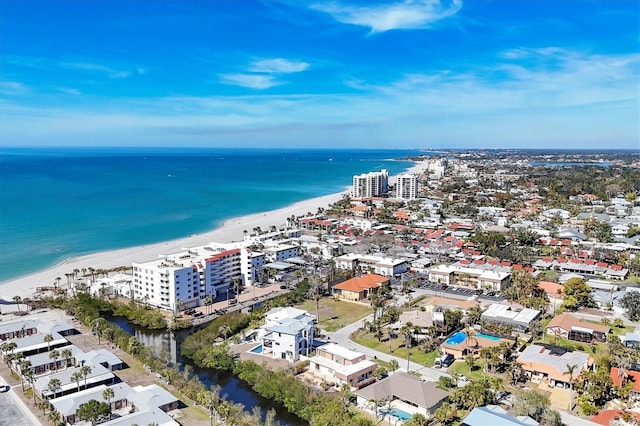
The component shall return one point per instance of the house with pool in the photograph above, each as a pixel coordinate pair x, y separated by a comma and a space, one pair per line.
402, 395
287, 334
459, 344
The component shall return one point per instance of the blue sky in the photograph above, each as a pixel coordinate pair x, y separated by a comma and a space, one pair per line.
406, 74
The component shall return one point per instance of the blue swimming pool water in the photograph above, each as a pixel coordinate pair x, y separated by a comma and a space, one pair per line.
456, 339
486, 336
257, 350
397, 413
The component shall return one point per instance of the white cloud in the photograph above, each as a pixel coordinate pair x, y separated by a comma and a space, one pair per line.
12, 88
110, 72
252, 81
278, 65
409, 14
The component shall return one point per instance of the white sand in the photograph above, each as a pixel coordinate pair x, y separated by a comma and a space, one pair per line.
231, 230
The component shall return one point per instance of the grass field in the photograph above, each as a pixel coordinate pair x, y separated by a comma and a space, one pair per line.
418, 355
335, 314
461, 367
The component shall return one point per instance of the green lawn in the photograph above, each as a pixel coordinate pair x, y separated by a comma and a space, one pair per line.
573, 345
335, 314
461, 367
418, 355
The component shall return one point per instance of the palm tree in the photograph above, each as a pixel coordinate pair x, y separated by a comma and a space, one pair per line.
17, 299
77, 377
54, 417
48, 338
53, 386
208, 301
85, 370
24, 365
315, 293
224, 330
407, 332
54, 355
394, 365
107, 394
29, 377
571, 368
66, 354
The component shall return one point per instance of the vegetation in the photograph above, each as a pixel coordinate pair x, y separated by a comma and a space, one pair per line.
630, 302
577, 294
93, 410
536, 405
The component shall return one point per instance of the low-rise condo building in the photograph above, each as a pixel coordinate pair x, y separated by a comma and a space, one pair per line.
372, 264
340, 365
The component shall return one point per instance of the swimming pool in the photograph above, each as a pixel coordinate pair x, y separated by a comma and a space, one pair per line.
456, 338
486, 336
256, 350
397, 413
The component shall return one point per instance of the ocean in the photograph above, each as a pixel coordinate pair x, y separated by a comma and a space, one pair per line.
67, 202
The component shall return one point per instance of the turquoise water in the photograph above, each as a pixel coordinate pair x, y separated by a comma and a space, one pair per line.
398, 413
456, 338
257, 350
486, 336
60, 203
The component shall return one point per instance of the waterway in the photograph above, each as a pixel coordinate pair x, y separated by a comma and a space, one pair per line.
167, 343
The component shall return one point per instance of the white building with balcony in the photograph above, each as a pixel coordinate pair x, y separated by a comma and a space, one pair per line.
287, 333
372, 184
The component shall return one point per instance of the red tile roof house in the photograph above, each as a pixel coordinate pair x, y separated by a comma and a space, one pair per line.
357, 289
622, 377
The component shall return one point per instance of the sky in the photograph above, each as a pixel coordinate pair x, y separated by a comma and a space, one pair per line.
332, 74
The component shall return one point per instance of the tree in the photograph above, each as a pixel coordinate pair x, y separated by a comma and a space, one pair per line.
76, 377
17, 299
577, 294
54, 355
85, 370
417, 420
93, 410
48, 338
54, 385
445, 414
66, 354
108, 394
571, 368
630, 302
536, 405
394, 365
407, 332
224, 330
316, 288
54, 417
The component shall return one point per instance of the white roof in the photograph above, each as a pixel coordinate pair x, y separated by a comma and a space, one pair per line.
152, 416
146, 397
68, 404
345, 370
341, 351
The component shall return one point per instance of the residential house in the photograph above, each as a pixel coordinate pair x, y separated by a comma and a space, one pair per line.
622, 377
421, 319
547, 363
287, 334
98, 376
504, 314
340, 365
495, 416
571, 327
405, 392
358, 289
68, 405
152, 396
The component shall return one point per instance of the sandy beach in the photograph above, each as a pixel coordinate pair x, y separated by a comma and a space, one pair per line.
231, 230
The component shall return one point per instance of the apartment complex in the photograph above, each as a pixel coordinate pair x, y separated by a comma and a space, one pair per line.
372, 184
407, 186
183, 280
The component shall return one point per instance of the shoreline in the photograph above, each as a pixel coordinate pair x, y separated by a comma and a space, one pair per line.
231, 230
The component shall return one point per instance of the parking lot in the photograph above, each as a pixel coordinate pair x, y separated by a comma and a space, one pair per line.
443, 289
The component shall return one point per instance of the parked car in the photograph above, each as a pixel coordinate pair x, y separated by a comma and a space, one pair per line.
4, 388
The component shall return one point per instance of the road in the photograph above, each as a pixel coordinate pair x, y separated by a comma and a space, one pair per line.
341, 337
14, 412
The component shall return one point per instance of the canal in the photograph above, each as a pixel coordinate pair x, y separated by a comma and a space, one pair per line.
167, 344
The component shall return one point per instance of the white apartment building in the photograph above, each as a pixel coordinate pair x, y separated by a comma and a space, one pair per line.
280, 252
407, 186
252, 263
188, 277
384, 266
372, 184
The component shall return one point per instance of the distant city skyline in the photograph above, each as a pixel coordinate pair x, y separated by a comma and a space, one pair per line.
393, 74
